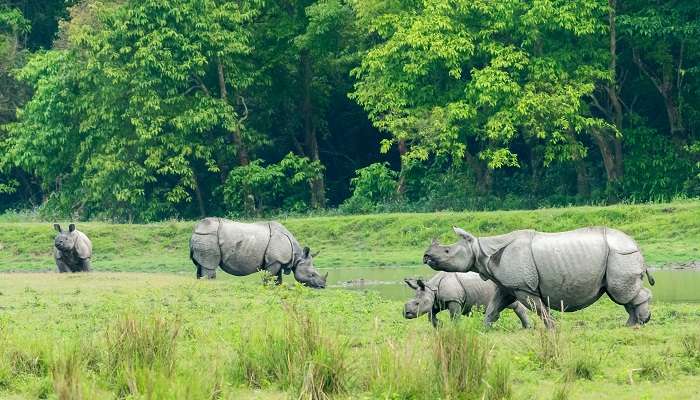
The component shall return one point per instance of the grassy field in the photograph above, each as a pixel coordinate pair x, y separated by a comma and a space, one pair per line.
666, 232
167, 336
157, 335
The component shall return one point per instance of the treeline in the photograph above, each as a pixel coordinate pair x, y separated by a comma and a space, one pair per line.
140, 110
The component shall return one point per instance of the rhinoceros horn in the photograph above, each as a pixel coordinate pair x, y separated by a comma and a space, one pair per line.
325, 277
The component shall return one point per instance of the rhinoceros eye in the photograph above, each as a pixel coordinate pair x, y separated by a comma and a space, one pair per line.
447, 251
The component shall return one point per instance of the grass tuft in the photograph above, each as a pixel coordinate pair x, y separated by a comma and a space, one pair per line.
584, 365
137, 346
461, 359
297, 355
67, 373
499, 386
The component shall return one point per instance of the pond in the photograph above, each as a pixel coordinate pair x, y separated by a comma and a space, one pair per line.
671, 285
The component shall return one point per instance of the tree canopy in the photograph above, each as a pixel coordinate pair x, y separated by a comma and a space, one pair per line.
141, 110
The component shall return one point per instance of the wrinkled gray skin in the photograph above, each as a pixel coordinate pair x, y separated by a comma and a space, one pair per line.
242, 249
456, 292
72, 250
565, 271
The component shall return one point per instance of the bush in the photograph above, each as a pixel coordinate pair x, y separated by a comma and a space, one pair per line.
257, 189
371, 186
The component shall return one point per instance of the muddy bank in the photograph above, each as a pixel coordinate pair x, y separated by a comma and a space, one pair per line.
693, 265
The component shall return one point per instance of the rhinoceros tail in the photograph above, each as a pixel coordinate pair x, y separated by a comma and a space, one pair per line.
650, 277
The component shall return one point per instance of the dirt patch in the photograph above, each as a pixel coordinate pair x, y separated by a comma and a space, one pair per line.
693, 265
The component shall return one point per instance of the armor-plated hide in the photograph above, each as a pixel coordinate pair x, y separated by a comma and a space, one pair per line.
457, 291
72, 250
565, 271
244, 248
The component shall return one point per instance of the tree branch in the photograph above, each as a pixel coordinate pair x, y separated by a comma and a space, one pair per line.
637, 60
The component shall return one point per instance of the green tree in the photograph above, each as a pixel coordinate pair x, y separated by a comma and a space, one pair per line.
149, 91
467, 78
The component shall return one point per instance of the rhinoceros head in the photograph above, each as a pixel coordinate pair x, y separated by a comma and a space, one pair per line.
65, 240
458, 257
422, 303
306, 273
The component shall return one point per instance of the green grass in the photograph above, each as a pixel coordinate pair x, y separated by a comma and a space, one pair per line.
666, 232
168, 336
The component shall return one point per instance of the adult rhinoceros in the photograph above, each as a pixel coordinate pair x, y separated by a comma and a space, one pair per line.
242, 249
565, 271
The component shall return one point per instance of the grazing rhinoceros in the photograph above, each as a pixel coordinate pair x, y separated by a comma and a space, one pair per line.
72, 250
457, 292
242, 249
564, 271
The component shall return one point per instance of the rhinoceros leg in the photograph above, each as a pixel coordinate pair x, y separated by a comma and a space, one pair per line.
467, 310
62, 266
521, 312
543, 312
455, 309
632, 319
434, 319
500, 300
205, 254
85, 265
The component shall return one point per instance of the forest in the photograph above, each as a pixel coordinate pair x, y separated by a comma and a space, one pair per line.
145, 110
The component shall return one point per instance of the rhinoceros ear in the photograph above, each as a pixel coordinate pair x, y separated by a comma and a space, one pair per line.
71, 227
307, 250
420, 283
57, 227
463, 234
412, 283
434, 241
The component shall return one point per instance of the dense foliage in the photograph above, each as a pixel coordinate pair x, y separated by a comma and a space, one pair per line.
151, 109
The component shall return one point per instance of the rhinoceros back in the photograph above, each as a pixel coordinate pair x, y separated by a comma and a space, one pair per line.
571, 266
242, 246
464, 287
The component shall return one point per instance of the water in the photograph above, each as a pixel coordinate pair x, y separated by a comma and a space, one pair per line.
671, 286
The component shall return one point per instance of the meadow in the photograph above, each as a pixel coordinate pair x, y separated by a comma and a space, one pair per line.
144, 332
165, 336
668, 232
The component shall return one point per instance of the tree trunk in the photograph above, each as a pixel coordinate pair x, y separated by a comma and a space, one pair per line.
668, 91
613, 91
198, 194
318, 187
583, 187
401, 187
241, 150
482, 173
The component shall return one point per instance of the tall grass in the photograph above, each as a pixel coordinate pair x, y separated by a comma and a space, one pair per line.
138, 345
67, 373
401, 370
296, 354
461, 360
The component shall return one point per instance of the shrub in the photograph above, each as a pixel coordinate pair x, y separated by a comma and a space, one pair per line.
372, 186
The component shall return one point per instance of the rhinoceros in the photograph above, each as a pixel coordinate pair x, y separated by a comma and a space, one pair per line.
565, 271
72, 250
245, 248
457, 292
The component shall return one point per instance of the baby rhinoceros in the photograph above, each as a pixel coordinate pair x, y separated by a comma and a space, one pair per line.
72, 250
456, 292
